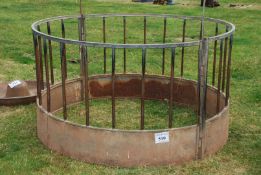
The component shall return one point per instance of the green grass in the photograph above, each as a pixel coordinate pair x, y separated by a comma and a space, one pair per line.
128, 114
22, 153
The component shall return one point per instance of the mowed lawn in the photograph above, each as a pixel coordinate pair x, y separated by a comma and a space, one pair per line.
22, 153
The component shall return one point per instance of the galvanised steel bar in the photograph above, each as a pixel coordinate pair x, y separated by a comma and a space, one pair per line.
63, 36
50, 53
86, 84
113, 88
37, 66
163, 50
41, 59
104, 41
224, 63
143, 87
63, 70
215, 58
183, 49
46, 63
124, 42
145, 30
171, 86
219, 75
202, 89
229, 69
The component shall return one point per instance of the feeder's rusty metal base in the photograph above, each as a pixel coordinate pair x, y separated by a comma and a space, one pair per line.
131, 148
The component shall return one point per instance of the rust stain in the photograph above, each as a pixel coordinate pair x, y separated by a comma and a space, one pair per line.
99, 90
154, 89
131, 88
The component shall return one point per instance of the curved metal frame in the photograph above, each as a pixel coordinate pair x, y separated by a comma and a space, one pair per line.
111, 45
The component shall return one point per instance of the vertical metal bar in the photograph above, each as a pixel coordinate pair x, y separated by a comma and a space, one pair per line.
63, 28
145, 29
86, 83
124, 41
80, 54
50, 52
47, 76
104, 41
63, 35
37, 66
84, 67
183, 49
229, 70
164, 40
171, 86
81, 11
41, 59
201, 30
215, 58
143, 87
82, 37
202, 90
63, 70
219, 75
113, 87
224, 62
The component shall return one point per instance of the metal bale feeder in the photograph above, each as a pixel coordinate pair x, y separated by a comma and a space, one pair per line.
205, 88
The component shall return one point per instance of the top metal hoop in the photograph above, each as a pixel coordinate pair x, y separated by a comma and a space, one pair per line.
230, 26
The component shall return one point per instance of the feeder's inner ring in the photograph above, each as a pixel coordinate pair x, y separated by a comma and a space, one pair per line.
128, 87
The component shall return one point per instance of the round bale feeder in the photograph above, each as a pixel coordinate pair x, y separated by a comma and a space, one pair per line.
174, 62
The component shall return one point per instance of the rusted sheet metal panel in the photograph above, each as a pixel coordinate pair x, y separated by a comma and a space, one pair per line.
117, 148
73, 94
217, 131
212, 101
126, 148
42, 131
